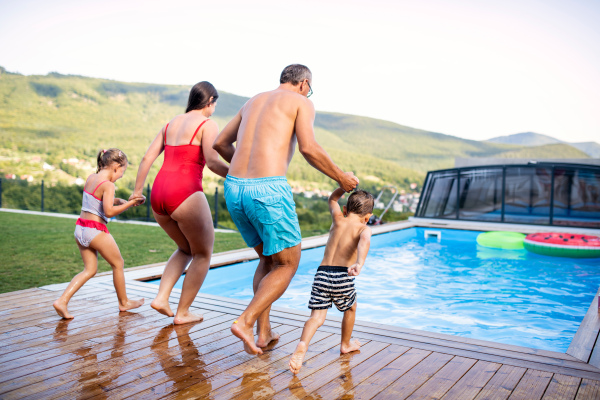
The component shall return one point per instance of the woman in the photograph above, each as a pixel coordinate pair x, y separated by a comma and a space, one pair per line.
177, 199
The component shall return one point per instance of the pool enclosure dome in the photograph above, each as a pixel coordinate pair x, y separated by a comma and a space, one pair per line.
544, 193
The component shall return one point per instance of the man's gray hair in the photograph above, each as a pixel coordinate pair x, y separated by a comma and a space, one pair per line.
295, 74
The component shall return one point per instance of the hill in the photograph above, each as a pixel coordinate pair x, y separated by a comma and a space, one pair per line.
591, 149
52, 126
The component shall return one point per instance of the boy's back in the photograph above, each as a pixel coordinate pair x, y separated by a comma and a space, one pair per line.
344, 234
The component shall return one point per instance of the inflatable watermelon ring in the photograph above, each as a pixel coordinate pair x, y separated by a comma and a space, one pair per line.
563, 245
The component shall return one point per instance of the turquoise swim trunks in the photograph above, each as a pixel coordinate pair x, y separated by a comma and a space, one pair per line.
264, 211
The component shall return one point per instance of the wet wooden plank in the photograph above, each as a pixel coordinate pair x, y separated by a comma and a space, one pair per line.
576, 368
18, 292
41, 297
252, 378
246, 377
562, 387
582, 345
502, 383
415, 378
98, 363
347, 381
202, 366
65, 342
444, 379
89, 296
381, 379
532, 386
588, 390
343, 365
471, 384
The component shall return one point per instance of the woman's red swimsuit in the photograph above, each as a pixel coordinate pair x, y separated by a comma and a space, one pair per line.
179, 177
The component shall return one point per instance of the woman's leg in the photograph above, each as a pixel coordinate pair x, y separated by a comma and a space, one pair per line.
90, 266
175, 266
105, 244
195, 221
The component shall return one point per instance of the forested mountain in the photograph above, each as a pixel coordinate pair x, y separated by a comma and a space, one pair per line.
52, 126
592, 149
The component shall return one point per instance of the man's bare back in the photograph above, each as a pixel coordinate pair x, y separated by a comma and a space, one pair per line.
266, 137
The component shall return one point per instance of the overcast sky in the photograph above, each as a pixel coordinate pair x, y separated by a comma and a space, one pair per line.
469, 68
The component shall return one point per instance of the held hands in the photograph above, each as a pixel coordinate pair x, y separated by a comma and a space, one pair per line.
348, 182
354, 269
138, 198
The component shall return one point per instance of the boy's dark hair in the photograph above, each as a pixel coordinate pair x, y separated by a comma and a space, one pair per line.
108, 156
200, 96
360, 202
295, 74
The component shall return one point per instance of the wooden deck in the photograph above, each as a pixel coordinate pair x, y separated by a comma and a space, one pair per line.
103, 354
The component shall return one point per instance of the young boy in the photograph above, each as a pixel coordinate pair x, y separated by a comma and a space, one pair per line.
345, 253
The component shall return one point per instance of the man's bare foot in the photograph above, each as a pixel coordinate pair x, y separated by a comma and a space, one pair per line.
162, 307
187, 318
61, 309
247, 336
353, 345
297, 358
264, 341
131, 304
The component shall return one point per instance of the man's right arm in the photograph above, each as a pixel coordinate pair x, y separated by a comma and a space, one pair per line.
224, 142
312, 151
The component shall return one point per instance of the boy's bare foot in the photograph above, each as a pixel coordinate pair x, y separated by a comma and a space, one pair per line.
61, 309
162, 307
264, 341
353, 345
245, 333
297, 358
187, 318
131, 304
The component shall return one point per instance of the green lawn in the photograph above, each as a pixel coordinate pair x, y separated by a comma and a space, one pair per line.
37, 251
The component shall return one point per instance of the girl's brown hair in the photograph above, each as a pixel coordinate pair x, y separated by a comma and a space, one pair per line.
106, 157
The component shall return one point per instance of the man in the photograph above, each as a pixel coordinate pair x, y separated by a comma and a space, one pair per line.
258, 196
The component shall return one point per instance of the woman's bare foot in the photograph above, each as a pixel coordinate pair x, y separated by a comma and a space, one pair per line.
61, 309
264, 341
353, 345
187, 318
297, 358
131, 304
245, 333
162, 307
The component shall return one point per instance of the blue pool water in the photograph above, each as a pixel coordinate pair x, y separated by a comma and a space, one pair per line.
453, 286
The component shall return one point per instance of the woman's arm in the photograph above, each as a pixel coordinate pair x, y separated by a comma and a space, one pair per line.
156, 147
209, 133
108, 201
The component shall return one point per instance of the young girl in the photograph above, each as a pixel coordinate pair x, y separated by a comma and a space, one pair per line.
91, 234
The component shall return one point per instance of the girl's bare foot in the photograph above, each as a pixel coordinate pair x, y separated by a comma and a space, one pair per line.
187, 318
162, 307
351, 346
131, 304
297, 358
245, 333
264, 341
61, 309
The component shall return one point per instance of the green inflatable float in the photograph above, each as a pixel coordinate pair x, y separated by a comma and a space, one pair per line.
501, 240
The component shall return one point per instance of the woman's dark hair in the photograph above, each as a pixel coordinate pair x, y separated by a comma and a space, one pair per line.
200, 96
360, 202
107, 157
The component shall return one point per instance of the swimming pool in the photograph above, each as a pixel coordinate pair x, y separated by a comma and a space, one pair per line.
451, 286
